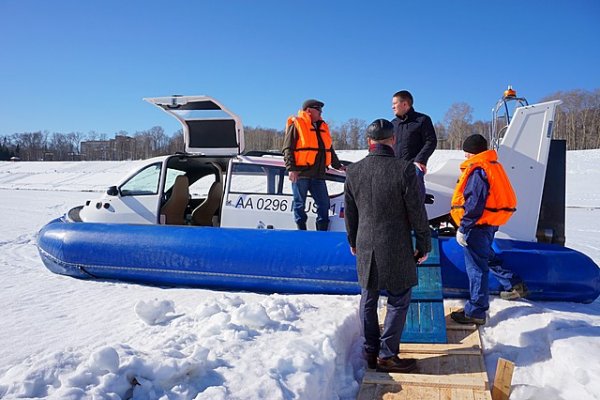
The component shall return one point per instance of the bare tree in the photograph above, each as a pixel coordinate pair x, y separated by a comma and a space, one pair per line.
458, 123
262, 139
339, 136
176, 142
355, 133
31, 145
442, 136
577, 119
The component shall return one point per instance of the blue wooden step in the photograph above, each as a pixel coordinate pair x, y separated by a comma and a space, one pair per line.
430, 283
425, 322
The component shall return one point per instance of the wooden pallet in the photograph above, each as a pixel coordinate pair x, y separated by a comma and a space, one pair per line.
445, 371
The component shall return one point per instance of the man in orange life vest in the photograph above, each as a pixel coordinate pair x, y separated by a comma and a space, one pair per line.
483, 200
308, 151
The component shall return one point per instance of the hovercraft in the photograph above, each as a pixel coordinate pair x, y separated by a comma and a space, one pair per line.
216, 217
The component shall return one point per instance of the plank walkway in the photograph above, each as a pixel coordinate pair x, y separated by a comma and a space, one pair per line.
445, 371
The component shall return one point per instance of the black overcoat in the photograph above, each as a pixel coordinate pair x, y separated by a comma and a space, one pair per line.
383, 205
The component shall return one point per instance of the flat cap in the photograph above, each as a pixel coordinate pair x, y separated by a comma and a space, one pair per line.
312, 103
380, 129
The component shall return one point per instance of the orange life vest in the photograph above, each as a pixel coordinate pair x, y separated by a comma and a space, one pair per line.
501, 202
307, 145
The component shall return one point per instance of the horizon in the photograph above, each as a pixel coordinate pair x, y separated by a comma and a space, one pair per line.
81, 67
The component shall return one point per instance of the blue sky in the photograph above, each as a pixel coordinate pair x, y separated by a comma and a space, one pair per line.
85, 65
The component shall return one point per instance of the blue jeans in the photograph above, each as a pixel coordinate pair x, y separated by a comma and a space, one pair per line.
388, 343
477, 254
507, 278
318, 191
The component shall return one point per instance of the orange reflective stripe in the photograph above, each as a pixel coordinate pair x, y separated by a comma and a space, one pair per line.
307, 144
501, 202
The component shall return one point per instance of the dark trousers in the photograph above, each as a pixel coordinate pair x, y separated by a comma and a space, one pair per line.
386, 344
318, 191
477, 254
421, 181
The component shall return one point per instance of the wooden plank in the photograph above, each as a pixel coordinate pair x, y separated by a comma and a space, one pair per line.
425, 323
435, 348
503, 379
454, 370
391, 392
366, 392
466, 338
482, 395
430, 284
453, 326
459, 342
421, 392
448, 381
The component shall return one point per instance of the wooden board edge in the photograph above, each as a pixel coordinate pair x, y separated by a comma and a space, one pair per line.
440, 381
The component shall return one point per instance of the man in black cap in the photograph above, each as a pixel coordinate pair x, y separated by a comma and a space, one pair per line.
483, 200
382, 207
415, 136
308, 152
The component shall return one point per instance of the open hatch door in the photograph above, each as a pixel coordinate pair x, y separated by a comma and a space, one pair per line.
208, 127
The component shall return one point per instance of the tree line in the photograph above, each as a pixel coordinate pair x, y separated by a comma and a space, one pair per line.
577, 121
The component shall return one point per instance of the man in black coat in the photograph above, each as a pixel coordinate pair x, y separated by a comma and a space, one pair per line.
415, 136
383, 206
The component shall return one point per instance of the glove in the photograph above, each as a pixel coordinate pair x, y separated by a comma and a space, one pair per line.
460, 238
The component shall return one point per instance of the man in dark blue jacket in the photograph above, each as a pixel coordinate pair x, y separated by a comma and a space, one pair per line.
415, 135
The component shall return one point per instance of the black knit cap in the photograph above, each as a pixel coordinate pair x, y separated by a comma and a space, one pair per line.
380, 129
475, 144
312, 103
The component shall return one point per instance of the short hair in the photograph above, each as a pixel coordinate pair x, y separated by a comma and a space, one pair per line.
404, 95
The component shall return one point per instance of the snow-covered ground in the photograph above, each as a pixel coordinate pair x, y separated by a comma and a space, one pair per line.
63, 338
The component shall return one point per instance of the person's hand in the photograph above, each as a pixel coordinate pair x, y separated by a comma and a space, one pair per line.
293, 175
460, 238
353, 250
422, 167
420, 258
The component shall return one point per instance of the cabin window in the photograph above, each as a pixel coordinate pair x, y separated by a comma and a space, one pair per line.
171, 175
199, 189
267, 179
144, 182
253, 179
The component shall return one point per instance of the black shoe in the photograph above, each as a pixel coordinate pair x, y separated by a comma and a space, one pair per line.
322, 226
371, 360
396, 364
461, 318
301, 225
519, 291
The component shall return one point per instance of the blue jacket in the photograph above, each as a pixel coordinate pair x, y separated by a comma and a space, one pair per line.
476, 193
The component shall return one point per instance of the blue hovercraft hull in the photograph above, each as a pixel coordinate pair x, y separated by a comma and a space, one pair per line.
264, 260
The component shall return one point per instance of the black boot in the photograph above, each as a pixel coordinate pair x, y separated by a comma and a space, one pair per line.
322, 225
301, 225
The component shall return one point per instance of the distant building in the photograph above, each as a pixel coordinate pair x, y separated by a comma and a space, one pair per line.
119, 148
